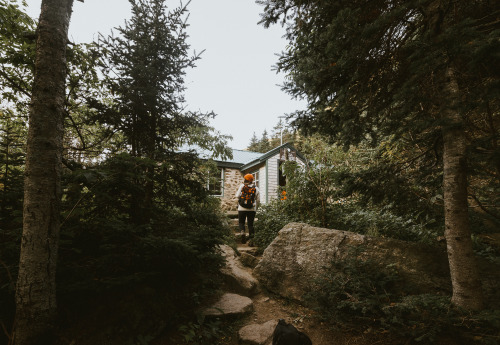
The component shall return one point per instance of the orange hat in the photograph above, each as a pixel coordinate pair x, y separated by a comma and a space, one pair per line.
248, 177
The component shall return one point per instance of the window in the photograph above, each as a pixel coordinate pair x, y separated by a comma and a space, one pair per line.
215, 184
256, 178
281, 176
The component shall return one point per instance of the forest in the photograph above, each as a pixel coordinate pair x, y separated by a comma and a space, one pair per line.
101, 209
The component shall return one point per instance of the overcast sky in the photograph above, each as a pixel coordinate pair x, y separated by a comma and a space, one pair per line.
234, 78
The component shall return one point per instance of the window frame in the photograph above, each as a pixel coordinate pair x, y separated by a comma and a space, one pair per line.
219, 192
256, 178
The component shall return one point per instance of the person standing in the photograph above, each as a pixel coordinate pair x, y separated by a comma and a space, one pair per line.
248, 198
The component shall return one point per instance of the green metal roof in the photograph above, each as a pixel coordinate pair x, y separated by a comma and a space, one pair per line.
270, 153
244, 159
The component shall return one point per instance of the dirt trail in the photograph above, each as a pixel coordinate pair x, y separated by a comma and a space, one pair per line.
268, 306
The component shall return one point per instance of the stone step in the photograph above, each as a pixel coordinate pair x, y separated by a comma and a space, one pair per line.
257, 334
230, 305
237, 278
245, 248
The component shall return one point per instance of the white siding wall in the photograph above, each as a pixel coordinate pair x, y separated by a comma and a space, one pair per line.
262, 184
273, 175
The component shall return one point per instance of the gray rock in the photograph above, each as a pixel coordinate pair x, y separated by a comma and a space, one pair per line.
248, 260
237, 278
257, 334
301, 253
230, 305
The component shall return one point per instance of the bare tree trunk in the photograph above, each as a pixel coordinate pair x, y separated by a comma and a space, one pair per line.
467, 292
36, 290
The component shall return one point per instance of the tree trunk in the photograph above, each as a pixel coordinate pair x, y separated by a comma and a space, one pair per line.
36, 290
467, 292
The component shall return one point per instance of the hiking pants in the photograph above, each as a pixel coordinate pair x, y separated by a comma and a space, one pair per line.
249, 216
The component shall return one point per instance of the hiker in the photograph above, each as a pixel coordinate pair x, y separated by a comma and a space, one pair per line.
248, 197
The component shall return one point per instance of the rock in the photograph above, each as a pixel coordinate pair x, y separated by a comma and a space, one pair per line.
230, 305
237, 278
248, 260
257, 334
301, 253
247, 249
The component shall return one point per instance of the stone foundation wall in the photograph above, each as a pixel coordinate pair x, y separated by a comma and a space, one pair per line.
232, 180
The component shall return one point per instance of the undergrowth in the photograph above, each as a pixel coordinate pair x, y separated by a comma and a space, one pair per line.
357, 294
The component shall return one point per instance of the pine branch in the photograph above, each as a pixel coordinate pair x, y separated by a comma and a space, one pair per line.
482, 207
14, 84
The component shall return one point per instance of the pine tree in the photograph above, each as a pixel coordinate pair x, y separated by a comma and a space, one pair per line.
265, 144
36, 290
17, 54
12, 158
254, 143
146, 65
418, 72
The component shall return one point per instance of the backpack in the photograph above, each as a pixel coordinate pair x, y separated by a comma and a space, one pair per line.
287, 334
247, 197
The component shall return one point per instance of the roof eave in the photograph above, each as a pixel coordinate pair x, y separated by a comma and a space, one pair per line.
232, 165
270, 153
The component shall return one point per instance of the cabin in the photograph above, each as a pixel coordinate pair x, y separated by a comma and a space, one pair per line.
265, 167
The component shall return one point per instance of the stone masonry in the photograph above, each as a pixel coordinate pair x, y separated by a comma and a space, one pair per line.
232, 180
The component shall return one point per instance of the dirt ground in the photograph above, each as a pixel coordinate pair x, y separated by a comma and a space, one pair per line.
268, 306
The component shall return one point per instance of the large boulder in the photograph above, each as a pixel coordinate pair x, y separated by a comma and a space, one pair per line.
301, 253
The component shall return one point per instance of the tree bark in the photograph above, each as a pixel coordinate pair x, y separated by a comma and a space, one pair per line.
36, 289
466, 284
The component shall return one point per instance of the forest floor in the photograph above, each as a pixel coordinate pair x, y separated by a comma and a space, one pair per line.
268, 306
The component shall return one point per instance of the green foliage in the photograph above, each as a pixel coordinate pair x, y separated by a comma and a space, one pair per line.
358, 294
487, 250
130, 223
12, 155
374, 73
427, 317
17, 53
345, 190
354, 290
204, 331
263, 145
282, 134
145, 66
272, 218
105, 250
381, 222
105, 204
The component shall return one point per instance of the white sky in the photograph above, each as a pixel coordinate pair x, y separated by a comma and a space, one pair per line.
234, 77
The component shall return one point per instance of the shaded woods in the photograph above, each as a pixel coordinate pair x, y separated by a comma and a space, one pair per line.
401, 132
134, 216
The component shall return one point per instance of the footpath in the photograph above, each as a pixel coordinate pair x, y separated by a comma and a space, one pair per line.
255, 311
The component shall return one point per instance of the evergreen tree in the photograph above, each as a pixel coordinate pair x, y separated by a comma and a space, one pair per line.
265, 144
12, 157
417, 72
254, 142
145, 70
36, 283
146, 66
17, 53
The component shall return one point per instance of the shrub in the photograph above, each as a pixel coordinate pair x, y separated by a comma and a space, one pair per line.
381, 222
271, 219
359, 294
354, 290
